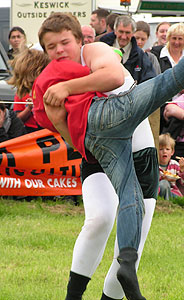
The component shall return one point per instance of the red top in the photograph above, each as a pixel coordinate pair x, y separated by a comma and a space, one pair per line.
30, 122
76, 106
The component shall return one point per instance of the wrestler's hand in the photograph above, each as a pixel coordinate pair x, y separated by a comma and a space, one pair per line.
56, 94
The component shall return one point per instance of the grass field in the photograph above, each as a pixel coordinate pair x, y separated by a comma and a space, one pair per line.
37, 239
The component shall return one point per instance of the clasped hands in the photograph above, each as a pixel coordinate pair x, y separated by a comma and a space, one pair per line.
56, 94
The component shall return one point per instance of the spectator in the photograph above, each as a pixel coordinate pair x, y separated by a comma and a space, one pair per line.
174, 123
110, 20
168, 56
167, 185
10, 125
17, 40
161, 33
134, 58
24, 112
141, 35
88, 34
98, 20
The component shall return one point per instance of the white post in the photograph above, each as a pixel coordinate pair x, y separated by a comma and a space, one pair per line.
93, 5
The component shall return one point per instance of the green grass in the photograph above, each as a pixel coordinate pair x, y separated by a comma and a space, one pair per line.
37, 239
178, 200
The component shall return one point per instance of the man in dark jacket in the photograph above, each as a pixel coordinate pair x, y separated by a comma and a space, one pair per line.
10, 125
98, 20
134, 59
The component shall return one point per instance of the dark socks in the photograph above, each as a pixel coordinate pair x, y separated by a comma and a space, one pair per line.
76, 286
104, 297
127, 274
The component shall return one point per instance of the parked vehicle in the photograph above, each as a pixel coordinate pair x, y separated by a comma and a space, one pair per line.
6, 91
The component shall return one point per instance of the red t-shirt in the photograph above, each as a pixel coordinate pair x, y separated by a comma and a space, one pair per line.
77, 106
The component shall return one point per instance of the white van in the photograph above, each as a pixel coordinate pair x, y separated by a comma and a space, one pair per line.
6, 91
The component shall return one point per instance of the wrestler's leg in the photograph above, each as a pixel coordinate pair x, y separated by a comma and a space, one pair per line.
112, 288
100, 205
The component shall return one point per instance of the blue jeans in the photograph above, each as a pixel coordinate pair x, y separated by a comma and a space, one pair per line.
111, 123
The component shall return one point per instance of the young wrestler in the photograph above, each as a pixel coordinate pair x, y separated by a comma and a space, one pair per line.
143, 144
72, 104
96, 187
39, 59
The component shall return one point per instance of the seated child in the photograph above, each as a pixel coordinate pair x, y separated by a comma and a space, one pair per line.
170, 170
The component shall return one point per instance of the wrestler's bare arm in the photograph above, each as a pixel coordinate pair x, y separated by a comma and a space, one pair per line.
58, 117
107, 74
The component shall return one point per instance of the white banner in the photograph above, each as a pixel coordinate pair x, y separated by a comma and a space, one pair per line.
30, 14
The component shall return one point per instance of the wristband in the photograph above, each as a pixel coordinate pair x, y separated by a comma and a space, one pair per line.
118, 51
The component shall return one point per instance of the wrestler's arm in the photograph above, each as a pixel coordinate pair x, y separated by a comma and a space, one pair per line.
107, 74
58, 117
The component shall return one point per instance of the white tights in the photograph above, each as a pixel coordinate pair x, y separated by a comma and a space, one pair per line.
112, 287
100, 205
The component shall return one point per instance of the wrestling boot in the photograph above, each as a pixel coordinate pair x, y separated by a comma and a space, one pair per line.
76, 286
127, 274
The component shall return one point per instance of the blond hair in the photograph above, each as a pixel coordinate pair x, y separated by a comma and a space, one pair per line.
175, 29
27, 66
165, 139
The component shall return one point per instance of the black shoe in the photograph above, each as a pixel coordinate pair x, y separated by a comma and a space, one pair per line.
127, 274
